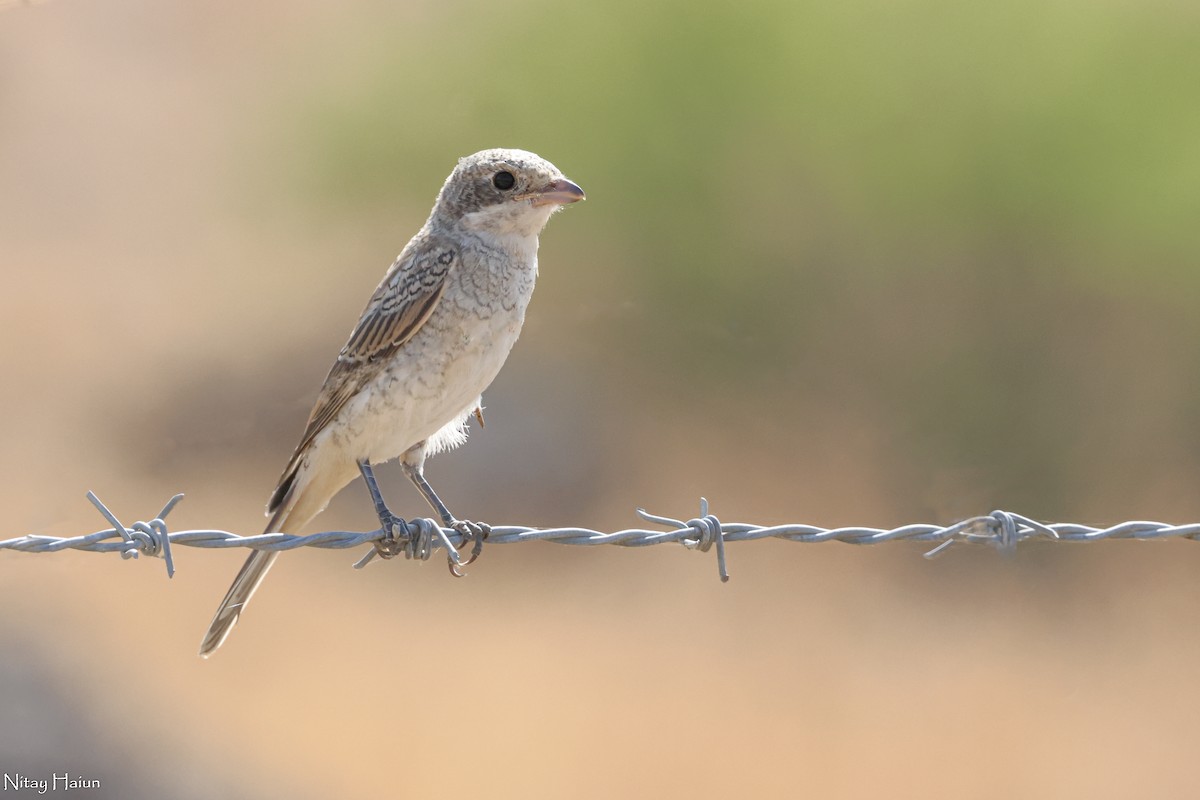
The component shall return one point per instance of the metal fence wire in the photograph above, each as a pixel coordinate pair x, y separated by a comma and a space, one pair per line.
420, 538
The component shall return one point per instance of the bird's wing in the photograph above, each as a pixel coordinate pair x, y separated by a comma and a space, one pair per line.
399, 307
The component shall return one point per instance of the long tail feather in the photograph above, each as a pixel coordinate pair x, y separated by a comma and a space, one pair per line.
247, 581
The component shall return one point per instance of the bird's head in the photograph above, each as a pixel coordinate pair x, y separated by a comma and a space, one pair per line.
504, 192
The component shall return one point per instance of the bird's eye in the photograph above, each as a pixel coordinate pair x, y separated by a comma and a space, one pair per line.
504, 180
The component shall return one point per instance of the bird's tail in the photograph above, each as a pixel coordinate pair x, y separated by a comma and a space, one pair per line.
247, 580
289, 517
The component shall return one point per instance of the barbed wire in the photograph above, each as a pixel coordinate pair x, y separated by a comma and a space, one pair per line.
420, 538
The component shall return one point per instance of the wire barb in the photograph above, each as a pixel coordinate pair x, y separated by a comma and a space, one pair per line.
707, 529
419, 538
413, 538
150, 537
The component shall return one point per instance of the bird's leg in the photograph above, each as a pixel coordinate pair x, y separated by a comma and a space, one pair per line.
475, 531
388, 546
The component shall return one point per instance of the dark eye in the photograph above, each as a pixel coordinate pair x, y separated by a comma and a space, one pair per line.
504, 180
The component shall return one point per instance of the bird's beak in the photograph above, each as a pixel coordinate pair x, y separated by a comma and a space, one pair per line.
560, 192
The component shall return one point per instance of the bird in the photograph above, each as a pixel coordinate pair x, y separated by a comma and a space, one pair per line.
431, 339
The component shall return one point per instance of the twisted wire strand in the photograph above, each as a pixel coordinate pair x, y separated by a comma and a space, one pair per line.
420, 538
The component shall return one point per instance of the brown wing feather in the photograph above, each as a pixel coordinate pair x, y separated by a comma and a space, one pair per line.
404, 299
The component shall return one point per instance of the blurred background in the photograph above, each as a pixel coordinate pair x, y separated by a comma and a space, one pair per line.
841, 263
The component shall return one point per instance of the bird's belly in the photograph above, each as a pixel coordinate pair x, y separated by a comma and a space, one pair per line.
429, 386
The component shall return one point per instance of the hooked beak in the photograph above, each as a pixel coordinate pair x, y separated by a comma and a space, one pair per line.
560, 192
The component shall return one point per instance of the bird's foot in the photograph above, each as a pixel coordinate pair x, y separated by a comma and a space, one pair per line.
395, 535
476, 532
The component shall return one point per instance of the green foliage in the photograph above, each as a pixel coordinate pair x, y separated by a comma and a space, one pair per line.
1064, 120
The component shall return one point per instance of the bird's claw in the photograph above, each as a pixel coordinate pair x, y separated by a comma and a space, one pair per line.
395, 535
474, 531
